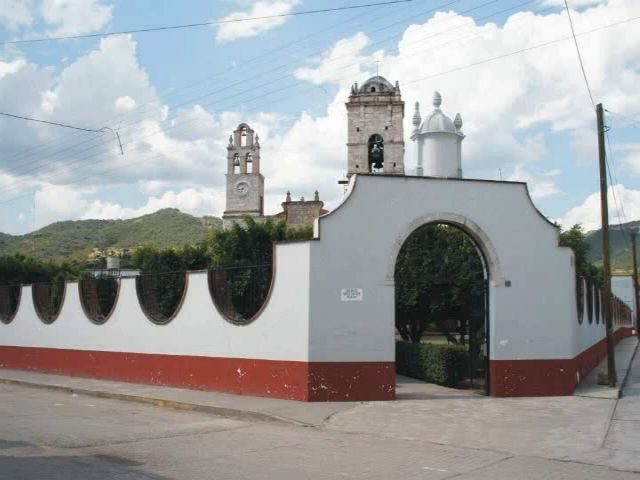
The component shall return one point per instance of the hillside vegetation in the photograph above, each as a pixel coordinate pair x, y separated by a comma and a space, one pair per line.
75, 240
619, 247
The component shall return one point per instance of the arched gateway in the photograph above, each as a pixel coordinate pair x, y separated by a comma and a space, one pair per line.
531, 279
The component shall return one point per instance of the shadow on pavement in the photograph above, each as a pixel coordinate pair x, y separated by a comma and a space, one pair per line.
60, 467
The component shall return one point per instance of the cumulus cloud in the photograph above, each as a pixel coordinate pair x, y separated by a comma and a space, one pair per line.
236, 29
15, 13
74, 17
588, 213
502, 101
200, 201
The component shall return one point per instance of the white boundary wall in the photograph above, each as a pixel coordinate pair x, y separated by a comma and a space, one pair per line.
279, 333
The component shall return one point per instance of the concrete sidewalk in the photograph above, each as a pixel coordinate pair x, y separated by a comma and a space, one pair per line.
227, 405
589, 386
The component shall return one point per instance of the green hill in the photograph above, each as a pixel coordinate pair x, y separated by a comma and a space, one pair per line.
74, 240
619, 247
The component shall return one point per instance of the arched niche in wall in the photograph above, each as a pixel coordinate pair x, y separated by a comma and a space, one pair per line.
48, 299
161, 295
9, 302
240, 293
98, 297
589, 301
580, 298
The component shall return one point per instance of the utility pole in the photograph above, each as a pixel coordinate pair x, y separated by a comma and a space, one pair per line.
606, 261
634, 234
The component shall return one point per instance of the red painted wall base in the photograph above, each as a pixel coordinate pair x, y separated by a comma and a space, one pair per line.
514, 378
307, 381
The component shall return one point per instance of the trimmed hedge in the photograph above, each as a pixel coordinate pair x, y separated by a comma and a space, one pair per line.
434, 363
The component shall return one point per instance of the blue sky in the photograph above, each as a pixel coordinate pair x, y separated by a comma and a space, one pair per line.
175, 96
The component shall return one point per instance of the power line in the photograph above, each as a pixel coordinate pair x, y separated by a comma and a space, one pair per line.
286, 76
218, 89
261, 57
205, 24
64, 125
487, 60
575, 41
624, 117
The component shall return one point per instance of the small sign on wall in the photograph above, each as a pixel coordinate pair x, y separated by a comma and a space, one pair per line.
351, 295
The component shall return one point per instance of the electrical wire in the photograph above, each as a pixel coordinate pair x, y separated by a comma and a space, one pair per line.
253, 88
64, 125
258, 75
287, 75
204, 24
140, 160
575, 41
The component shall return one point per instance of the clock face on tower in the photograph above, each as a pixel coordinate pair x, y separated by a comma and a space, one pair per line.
242, 188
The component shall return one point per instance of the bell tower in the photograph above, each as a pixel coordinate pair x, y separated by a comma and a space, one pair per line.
375, 113
245, 183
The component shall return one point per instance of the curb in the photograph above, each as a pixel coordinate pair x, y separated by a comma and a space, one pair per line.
623, 383
159, 402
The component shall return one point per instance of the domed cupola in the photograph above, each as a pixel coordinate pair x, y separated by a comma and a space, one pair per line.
375, 85
438, 142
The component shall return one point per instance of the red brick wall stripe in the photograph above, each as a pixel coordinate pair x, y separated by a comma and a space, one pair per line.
307, 381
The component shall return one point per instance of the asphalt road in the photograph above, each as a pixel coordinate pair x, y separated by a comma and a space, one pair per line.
51, 435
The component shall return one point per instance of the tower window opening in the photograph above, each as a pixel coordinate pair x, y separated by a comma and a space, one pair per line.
357, 129
236, 163
243, 137
373, 89
376, 154
249, 163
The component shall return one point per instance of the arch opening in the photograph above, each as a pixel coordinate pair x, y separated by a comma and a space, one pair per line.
9, 302
376, 154
98, 297
442, 307
48, 299
240, 293
161, 295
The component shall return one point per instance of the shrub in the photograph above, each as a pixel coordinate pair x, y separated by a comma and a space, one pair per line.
435, 363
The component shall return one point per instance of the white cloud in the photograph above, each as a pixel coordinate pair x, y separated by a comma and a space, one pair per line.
15, 13
124, 104
75, 17
11, 67
572, 4
200, 201
631, 152
263, 8
340, 64
588, 213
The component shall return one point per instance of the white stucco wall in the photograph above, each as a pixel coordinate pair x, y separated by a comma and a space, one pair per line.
533, 318
279, 333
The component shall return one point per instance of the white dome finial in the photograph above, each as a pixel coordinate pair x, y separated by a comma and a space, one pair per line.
457, 122
437, 99
416, 116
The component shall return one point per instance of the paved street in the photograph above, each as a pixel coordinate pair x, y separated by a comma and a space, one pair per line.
443, 433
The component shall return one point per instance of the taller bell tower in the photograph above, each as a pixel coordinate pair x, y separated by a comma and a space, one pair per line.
245, 183
375, 113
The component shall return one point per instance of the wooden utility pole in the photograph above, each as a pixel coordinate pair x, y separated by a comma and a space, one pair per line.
606, 261
634, 234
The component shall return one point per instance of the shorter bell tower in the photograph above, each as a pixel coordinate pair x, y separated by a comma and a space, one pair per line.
245, 183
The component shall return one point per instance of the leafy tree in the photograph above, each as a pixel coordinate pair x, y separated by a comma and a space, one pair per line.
575, 238
439, 280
